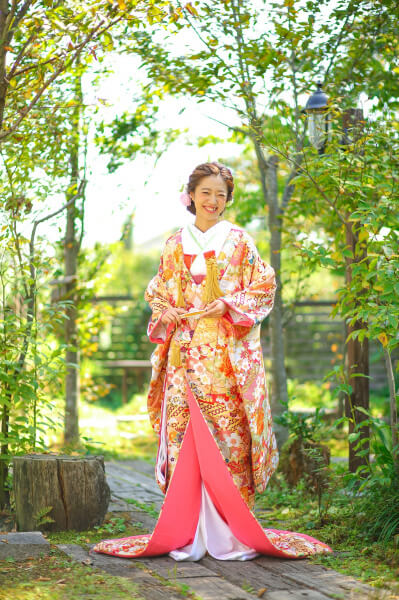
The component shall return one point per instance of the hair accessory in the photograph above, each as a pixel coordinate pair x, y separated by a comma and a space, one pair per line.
185, 197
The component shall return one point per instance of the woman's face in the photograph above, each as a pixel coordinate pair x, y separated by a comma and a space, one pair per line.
210, 198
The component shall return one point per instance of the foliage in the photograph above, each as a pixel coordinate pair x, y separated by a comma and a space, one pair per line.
119, 439
342, 526
31, 365
125, 273
357, 188
229, 58
43, 516
353, 188
57, 577
113, 526
150, 510
304, 426
45, 48
378, 496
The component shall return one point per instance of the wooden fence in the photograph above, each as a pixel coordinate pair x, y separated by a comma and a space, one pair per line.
314, 344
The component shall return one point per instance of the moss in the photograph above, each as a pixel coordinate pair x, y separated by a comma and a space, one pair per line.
113, 526
56, 577
375, 563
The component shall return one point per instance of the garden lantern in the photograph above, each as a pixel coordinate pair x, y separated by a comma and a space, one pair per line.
318, 122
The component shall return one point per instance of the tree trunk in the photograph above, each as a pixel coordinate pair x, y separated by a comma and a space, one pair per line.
279, 393
357, 352
59, 493
71, 250
4, 9
357, 365
393, 411
5, 416
5, 407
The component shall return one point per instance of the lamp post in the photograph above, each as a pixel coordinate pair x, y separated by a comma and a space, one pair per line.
357, 355
318, 122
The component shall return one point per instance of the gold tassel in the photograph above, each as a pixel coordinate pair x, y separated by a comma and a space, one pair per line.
212, 289
180, 298
174, 355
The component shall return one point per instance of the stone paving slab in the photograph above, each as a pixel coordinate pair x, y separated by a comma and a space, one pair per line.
316, 577
126, 481
207, 585
23, 545
297, 578
227, 580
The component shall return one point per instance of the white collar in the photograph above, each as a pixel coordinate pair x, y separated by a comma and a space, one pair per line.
196, 241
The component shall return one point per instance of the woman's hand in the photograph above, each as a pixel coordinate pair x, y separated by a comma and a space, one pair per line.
215, 309
171, 316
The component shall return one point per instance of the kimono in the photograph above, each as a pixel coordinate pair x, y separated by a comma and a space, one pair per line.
208, 402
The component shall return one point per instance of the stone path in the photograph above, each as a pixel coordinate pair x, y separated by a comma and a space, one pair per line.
265, 577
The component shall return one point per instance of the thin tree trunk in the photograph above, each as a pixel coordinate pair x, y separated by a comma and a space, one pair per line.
393, 409
279, 393
5, 416
357, 352
71, 250
268, 175
3, 52
357, 365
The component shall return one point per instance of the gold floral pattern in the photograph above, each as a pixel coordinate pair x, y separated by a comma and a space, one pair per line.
221, 358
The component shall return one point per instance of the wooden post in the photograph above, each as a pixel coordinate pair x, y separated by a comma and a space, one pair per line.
58, 493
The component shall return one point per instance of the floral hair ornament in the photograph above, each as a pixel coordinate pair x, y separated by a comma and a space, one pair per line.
185, 197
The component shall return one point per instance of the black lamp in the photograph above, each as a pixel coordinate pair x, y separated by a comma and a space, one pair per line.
318, 123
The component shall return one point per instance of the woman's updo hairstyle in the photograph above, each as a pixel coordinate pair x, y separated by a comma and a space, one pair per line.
204, 170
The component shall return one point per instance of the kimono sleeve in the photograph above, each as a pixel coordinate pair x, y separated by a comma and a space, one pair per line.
250, 305
157, 297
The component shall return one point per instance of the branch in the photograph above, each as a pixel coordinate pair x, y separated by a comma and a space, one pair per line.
56, 212
19, 57
213, 51
339, 38
78, 49
289, 187
7, 20
18, 17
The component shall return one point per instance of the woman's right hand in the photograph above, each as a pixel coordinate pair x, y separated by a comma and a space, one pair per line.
171, 316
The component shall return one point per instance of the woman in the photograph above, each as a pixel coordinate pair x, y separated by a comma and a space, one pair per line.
208, 397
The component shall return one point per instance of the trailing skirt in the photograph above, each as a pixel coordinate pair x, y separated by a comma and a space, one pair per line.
204, 509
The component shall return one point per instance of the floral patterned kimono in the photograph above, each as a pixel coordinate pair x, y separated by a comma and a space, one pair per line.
208, 402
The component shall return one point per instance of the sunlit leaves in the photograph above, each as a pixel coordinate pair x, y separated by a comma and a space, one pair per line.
358, 188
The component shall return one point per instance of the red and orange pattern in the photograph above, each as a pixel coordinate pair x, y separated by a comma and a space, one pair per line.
221, 360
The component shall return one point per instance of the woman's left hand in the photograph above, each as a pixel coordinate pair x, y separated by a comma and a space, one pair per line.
215, 309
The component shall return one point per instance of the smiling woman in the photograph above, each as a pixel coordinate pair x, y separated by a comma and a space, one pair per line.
208, 398
210, 187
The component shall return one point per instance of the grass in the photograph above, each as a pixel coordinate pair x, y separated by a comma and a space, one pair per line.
150, 510
108, 432
355, 554
113, 526
56, 577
